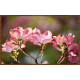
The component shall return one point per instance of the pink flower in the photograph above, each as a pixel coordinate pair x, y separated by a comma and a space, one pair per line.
20, 33
74, 47
59, 41
45, 62
73, 58
69, 38
62, 41
10, 45
39, 38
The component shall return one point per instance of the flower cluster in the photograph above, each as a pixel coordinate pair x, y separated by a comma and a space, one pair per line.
64, 44
20, 36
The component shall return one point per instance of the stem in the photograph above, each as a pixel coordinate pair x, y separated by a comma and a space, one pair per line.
41, 57
42, 50
61, 59
38, 54
43, 47
15, 59
29, 56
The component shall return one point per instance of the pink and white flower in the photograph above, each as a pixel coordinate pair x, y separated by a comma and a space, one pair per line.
62, 40
74, 47
61, 43
39, 38
73, 58
72, 50
10, 45
69, 38
20, 36
19, 32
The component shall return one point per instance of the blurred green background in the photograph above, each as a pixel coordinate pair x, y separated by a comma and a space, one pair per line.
56, 24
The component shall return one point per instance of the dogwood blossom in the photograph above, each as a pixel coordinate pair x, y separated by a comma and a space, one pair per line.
73, 58
21, 34
62, 41
74, 47
69, 38
10, 45
72, 50
39, 38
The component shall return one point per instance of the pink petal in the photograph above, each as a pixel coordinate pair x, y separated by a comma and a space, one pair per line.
54, 44
14, 34
73, 58
47, 34
60, 39
10, 43
36, 39
73, 47
9, 46
20, 29
46, 41
69, 38
6, 50
46, 37
27, 33
36, 31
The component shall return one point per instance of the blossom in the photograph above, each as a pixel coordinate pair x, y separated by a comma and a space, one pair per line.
72, 50
69, 38
10, 45
59, 43
20, 33
60, 39
62, 42
74, 47
73, 58
39, 38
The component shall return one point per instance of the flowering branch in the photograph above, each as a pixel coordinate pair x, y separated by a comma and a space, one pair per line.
20, 36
